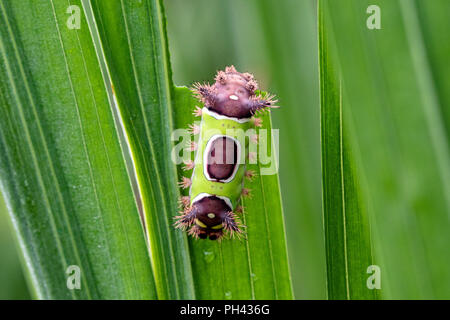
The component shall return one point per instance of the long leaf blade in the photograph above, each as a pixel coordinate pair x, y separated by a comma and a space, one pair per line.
135, 47
346, 223
62, 169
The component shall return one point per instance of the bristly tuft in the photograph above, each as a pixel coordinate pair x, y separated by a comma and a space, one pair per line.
194, 231
252, 156
251, 86
250, 174
185, 183
204, 92
197, 112
262, 103
194, 129
232, 224
230, 69
185, 220
257, 122
248, 76
193, 146
188, 165
221, 77
246, 193
184, 202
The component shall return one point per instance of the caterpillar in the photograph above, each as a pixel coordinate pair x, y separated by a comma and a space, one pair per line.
217, 181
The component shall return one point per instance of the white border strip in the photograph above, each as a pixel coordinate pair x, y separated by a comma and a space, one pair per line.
200, 196
222, 117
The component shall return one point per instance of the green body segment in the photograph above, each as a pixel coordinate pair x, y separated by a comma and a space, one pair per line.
212, 125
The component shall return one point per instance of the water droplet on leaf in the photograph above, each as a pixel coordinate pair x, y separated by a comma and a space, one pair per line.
208, 256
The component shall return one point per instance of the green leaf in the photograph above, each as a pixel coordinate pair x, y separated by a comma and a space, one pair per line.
288, 60
134, 44
256, 268
394, 90
62, 169
346, 223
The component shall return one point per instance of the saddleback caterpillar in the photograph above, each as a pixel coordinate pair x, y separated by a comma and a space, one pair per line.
219, 169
